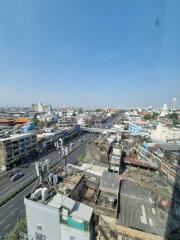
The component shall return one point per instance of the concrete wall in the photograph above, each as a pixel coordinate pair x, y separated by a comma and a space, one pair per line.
67, 232
45, 216
164, 133
48, 219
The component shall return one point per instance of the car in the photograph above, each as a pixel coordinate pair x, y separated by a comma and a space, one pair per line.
14, 171
16, 176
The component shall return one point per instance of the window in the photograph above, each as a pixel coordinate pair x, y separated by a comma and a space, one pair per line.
40, 237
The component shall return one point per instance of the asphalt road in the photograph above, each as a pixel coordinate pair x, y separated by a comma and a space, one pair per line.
14, 208
7, 187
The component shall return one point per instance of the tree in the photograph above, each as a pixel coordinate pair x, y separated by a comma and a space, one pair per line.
98, 110
147, 116
21, 226
154, 115
173, 116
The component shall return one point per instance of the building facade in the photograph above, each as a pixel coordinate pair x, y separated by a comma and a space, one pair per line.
165, 133
134, 128
15, 148
39, 107
58, 218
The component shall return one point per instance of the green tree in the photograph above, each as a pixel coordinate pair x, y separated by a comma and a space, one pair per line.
154, 115
147, 116
98, 110
21, 226
173, 116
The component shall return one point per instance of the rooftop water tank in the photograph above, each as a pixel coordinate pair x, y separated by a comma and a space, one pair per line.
45, 193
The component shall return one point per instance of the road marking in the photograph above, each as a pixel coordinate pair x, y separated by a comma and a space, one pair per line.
143, 217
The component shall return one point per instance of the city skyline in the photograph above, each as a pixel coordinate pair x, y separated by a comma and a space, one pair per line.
90, 53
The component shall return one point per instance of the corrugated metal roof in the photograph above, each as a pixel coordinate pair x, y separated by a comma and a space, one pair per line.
169, 147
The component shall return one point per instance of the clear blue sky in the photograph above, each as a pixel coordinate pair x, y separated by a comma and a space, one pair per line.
89, 53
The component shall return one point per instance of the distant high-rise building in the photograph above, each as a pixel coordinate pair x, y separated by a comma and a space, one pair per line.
164, 111
39, 107
174, 104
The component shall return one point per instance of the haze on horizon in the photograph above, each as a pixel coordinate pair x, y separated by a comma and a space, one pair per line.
117, 53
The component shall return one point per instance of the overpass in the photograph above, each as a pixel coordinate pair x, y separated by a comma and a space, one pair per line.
99, 130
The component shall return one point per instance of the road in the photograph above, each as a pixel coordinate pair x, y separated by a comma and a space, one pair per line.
6, 186
14, 208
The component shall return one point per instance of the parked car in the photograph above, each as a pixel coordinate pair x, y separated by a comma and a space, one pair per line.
17, 176
12, 172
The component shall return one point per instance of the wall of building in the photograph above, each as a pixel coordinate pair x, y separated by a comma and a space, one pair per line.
46, 220
17, 148
164, 133
42, 216
134, 128
68, 232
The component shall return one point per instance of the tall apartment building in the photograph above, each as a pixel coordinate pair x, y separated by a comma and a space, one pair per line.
55, 216
15, 148
39, 107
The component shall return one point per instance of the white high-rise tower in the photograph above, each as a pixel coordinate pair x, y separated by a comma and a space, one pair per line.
164, 111
174, 104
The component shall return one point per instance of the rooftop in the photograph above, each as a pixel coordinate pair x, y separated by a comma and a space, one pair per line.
76, 209
110, 181
170, 147
16, 136
138, 210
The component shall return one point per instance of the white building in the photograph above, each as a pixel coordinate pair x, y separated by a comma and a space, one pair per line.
39, 107
58, 217
164, 111
83, 119
165, 133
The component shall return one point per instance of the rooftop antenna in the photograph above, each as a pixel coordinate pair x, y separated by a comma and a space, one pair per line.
41, 169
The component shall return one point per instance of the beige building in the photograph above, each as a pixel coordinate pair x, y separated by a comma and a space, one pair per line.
15, 148
165, 133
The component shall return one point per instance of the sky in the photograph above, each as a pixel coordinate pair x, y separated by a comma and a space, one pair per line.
108, 53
